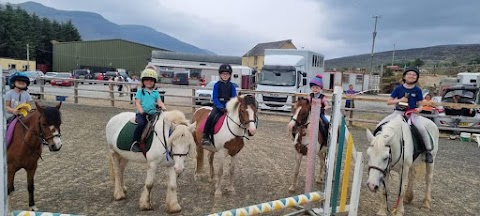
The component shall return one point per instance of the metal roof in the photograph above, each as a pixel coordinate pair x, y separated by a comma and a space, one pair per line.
259, 49
158, 54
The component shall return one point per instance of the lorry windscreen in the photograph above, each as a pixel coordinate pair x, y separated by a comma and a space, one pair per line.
277, 77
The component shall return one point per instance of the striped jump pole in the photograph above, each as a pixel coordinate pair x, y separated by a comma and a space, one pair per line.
3, 150
275, 205
32, 213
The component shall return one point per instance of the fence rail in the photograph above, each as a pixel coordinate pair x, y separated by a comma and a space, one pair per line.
190, 100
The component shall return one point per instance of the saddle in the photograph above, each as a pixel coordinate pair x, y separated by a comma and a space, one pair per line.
217, 123
11, 129
418, 143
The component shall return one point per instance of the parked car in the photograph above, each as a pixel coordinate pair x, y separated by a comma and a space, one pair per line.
98, 76
180, 79
204, 96
34, 76
110, 74
49, 75
462, 117
83, 74
62, 79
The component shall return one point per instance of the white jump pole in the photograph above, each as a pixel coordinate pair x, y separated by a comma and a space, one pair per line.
3, 150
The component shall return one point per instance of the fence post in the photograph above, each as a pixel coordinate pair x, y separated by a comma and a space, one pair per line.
350, 122
3, 156
75, 92
193, 100
42, 88
112, 96
294, 101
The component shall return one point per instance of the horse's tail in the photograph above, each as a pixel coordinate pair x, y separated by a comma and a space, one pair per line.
110, 168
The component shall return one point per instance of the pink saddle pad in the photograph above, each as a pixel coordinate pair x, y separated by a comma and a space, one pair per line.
217, 124
10, 129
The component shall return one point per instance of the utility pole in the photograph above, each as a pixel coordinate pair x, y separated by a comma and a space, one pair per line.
393, 55
28, 57
373, 46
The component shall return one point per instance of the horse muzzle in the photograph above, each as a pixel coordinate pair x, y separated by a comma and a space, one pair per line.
373, 187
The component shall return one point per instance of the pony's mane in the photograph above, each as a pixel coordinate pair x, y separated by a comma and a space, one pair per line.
233, 103
389, 129
52, 116
175, 117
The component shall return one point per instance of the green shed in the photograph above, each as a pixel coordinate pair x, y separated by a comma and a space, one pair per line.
101, 55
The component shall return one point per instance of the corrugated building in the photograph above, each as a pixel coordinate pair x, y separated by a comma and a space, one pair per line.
101, 55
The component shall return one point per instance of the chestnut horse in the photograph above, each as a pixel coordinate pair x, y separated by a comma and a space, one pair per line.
40, 127
298, 125
239, 123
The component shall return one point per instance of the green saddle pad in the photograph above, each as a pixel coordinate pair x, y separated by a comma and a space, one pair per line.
124, 141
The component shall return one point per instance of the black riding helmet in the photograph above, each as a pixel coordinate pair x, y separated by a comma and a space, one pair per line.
225, 68
414, 69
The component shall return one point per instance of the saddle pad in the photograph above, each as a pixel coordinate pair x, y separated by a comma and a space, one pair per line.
10, 130
124, 140
218, 124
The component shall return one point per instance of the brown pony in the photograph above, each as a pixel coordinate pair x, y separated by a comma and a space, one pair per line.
40, 127
239, 123
298, 125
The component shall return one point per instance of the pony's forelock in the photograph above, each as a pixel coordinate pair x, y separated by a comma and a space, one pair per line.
52, 116
232, 103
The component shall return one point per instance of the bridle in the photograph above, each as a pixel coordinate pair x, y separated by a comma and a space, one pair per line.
388, 167
242, 124
168, 151
41, 136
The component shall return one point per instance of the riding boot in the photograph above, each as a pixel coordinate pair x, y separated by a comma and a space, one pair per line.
207, 143
428, 157
135, 147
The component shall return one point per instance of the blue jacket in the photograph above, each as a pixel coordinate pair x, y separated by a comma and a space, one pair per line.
218, 100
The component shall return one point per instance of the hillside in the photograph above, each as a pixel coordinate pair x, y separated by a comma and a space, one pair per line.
441, 55
93, 26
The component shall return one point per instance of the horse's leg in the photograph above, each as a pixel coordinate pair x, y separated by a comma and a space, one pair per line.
231, 189
321, 167
411, 180
382, 197
118, 192
172, 200
200, 156
31, 188
10, 184
219, 174
400, 207
298, 160
121, 168
211, 156
145, 198
427, 201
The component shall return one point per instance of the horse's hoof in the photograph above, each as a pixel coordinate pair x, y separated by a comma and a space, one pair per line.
408, 198
427, 204
174, 209
119, 196
146, 206
382, 213
291, 189
33, 208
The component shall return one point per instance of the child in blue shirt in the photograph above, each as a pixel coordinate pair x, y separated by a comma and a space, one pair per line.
146, 100
406, 97
223, 91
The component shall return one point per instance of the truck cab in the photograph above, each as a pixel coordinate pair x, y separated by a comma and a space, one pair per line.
286, 72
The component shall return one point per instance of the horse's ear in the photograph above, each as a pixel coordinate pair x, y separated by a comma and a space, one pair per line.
369, 136
192, 127
38, 106
58, 105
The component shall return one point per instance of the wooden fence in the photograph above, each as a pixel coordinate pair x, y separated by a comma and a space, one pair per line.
354, 114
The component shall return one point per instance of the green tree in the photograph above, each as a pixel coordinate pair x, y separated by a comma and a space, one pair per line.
418, 62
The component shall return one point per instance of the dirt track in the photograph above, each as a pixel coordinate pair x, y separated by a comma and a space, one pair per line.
75, 180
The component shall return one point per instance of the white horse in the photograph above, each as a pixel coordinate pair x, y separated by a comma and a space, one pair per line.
239, 123
170, 149
298, 125
393, 149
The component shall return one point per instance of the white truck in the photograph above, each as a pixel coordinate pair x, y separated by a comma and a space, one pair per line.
287, 71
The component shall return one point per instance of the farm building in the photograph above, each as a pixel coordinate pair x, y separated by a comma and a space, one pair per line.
101, 55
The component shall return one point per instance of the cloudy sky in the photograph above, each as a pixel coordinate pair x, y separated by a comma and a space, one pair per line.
334, 28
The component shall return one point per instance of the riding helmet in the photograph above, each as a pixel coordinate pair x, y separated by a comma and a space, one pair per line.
18, 76
414, 69
225, 68
149, 74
